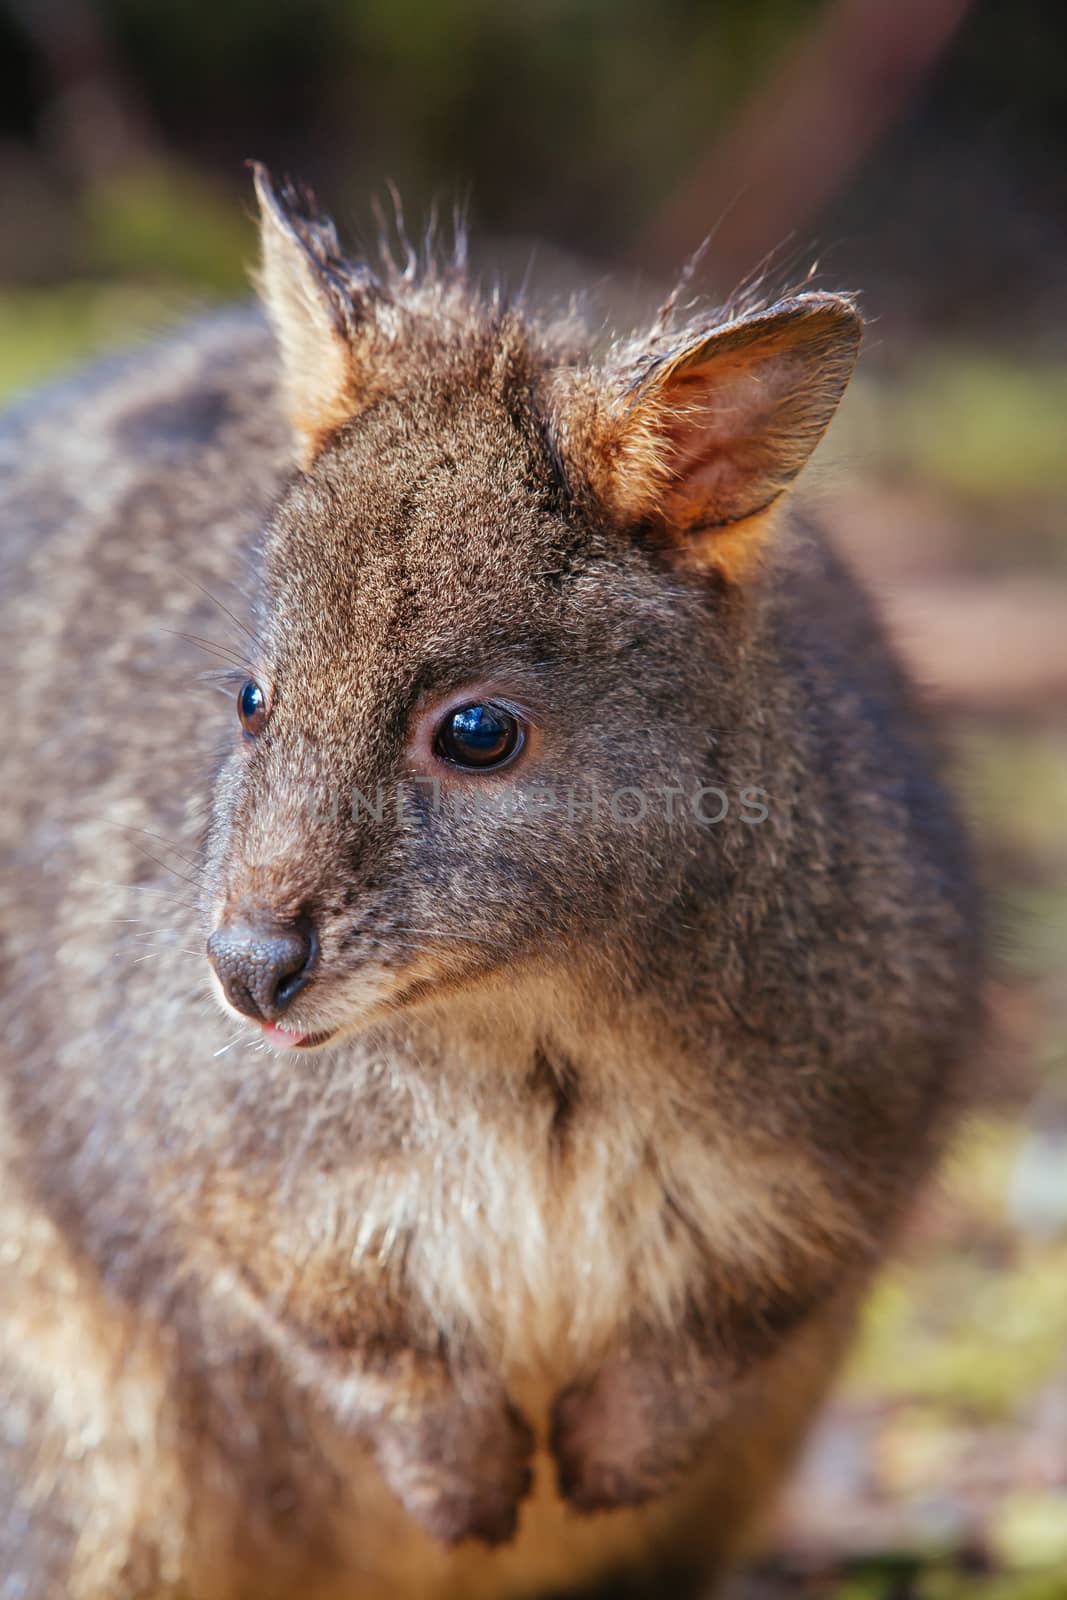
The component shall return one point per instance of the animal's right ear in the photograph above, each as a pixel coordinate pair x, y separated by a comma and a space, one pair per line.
706, 439
313, 300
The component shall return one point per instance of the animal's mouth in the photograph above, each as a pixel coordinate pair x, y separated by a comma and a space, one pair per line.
283, 1038
372, 1008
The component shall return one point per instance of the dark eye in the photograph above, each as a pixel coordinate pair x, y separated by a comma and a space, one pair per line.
252, 707
479, 736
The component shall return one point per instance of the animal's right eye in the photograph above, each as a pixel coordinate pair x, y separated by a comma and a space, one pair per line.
479, 737
252, 707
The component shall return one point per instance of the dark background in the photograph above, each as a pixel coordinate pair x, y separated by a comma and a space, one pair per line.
914, 150
919, 147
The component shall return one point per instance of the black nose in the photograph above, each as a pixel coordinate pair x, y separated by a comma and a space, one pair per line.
263, 966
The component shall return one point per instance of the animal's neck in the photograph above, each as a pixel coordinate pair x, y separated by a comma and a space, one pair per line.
491, 1160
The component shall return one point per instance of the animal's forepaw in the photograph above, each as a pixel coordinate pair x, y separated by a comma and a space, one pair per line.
614, 1445
462, 1473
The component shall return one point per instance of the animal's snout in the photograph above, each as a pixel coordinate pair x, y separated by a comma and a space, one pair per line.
263, 965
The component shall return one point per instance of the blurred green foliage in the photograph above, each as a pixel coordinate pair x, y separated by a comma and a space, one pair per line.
44, 332
164, 225
559, 118
981, 423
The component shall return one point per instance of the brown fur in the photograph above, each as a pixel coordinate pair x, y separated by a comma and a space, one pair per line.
536, 1272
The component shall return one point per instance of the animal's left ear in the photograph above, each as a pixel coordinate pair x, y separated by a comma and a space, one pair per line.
317, 309
705, 442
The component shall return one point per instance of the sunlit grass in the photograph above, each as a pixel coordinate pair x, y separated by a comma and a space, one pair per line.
963, 1331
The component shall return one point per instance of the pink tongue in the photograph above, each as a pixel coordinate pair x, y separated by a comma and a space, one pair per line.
279, 1038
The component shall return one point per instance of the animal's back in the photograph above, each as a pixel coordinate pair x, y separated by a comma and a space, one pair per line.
129, 495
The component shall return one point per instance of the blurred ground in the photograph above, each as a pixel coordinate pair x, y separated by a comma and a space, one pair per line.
934, 182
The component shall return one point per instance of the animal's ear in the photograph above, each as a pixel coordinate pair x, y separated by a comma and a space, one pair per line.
707, 439
315, 306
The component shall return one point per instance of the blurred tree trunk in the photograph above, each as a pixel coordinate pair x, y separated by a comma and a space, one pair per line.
802, 134
95, 120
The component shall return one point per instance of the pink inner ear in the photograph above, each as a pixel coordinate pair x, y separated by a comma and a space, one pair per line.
720, 427
718, 431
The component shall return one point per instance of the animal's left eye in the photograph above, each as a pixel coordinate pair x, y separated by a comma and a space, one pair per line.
479, 737
252, 707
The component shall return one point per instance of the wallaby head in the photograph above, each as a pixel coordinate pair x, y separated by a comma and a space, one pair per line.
507, 584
